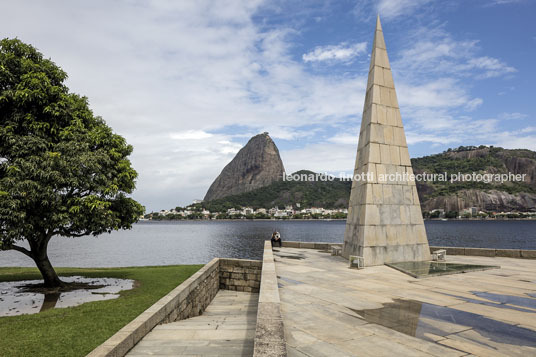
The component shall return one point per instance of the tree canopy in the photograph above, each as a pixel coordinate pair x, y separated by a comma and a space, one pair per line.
62, 169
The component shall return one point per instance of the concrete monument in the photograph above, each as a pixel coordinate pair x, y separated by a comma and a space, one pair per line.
384, 222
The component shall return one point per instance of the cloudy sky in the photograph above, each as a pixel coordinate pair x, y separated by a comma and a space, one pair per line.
189, 82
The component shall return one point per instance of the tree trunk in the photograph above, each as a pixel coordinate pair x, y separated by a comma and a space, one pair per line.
47, 271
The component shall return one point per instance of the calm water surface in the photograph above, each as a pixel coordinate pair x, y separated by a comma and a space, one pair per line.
189, 242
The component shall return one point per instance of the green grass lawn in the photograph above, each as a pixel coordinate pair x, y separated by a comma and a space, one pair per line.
75, 331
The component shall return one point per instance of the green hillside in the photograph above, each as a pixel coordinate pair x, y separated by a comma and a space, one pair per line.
327, 194
483, 160
335, 194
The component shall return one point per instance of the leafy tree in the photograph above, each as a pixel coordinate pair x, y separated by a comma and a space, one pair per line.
62, 169
435, 214
451, 214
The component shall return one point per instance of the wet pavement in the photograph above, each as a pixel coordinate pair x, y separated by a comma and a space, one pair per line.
331, 310
15, 299
428, 269
410, 316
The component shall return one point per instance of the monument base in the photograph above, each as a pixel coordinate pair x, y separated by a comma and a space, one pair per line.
379, 255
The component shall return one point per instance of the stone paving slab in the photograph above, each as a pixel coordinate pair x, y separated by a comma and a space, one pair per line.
227, 327
331, 310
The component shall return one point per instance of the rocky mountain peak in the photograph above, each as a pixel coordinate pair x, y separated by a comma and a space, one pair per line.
256, 165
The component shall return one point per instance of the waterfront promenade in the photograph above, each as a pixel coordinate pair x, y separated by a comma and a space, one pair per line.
331, 310
311, 303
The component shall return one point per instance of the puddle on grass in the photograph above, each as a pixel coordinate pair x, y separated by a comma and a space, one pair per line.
15, 299
418, 319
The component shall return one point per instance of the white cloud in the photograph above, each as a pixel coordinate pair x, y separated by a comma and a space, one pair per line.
415, 138
345, 138
321, 157
168, 75
528, 129
290, 133
512, 116
188, 82
439, 93
473, 104
491, 67
431, 76
228, 147
434, 51
463, 130
389, 9
516, 139
502, 2
342, 52
190, 135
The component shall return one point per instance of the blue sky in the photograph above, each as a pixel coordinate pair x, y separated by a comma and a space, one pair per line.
189, 82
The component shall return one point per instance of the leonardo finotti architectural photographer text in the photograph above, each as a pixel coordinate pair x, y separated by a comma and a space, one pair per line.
405, 177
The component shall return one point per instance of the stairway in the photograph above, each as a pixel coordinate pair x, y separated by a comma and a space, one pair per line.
227, 327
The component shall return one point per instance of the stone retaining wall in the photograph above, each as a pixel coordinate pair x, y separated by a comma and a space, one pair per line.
187, 300
309, 245
200, 293
489, 252
269, 333
483, 252
240, 275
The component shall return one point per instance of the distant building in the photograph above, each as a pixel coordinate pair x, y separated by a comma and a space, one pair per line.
233, 212
439, 211
279, 213
465, 212
314, 210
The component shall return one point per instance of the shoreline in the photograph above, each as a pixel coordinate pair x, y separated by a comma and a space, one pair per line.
327, 219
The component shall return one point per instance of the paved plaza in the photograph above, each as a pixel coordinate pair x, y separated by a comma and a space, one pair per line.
331, 310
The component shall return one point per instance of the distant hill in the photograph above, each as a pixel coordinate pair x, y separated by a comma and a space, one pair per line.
256, 165
327, 194
508, 196
520, 196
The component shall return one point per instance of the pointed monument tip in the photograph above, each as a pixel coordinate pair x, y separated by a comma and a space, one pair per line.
378, 23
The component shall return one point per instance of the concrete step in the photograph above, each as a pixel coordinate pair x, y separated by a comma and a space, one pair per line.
226, 328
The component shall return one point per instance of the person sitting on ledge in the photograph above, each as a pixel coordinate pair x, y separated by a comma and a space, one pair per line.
276, 239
